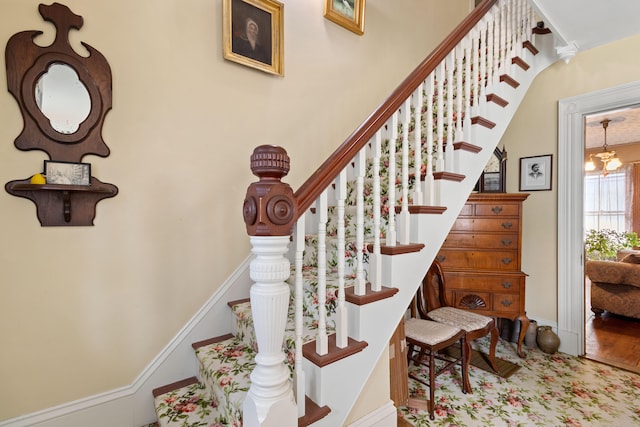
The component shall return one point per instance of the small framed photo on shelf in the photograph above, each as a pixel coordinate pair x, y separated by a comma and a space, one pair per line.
347, 13
536, 173
69, 173
252, 34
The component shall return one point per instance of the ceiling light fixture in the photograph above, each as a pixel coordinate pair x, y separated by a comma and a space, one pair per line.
608, 157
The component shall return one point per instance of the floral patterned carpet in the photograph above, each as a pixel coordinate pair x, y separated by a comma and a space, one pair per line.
549, 390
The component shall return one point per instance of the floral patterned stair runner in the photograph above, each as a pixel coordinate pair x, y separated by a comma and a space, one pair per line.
225, 365
187, 405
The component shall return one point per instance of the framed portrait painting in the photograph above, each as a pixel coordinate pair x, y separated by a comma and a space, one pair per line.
253, 32
347, 13
536, 173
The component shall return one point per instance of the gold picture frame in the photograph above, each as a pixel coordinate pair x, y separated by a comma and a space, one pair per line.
347, 13
253, 32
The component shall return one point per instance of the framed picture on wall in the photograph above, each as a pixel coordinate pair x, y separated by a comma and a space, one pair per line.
252, 34
535, 173
67, 173
347, 13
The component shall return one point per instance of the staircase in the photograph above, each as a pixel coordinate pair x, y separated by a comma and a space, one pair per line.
337, 262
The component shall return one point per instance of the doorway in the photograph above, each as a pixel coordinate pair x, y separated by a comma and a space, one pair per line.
608, 205
571, 294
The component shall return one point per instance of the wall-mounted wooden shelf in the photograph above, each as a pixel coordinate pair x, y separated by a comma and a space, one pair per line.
27, 65
59, 204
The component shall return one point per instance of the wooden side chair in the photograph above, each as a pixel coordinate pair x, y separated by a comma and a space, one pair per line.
431, 303
426, 339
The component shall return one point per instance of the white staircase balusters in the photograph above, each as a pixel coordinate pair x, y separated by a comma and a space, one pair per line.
417, 144
440, 78
361, 169
450, 135
404, 204
391, 192
375, 258
322, 342
299, 376
342, 338
429, 185
459, 74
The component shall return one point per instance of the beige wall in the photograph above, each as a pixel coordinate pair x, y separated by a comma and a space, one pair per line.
534, 131
84, 310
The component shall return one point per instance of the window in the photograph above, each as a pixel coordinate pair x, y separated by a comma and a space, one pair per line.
605, 201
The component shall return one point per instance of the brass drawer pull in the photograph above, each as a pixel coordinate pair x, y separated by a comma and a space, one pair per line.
506, 225
506, 261
506, 285
506, 242
507, 302
496, 210
441, 258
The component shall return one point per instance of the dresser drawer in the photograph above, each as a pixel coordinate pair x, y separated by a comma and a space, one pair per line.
487, 224
504, 283
481, 240
497, 209
488, 260
507, 303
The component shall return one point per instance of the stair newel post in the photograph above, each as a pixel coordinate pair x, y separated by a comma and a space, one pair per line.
322, 341
269, 213
428, 178
404, 205
361, 169
417, 144
342, 338
299, 376
470, 40
391, 191
375, 259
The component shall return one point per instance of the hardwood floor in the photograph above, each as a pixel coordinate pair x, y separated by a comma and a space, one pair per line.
614, 340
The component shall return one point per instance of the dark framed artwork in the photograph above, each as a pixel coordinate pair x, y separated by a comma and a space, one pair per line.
536, 173
253, 32
67, 173
347, 13
493, 177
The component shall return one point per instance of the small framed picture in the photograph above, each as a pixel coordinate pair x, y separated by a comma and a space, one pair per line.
252, 34
67, 173
535, 173
347, 13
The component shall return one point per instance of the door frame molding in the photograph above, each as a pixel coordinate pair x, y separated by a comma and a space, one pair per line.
571, 112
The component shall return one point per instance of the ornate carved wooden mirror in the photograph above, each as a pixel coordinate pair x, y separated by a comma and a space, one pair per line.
493, 177
64, 98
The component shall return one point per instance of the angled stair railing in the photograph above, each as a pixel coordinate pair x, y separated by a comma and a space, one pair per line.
365, 227
400, 161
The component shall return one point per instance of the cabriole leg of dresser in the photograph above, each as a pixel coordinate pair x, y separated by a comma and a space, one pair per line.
524, 326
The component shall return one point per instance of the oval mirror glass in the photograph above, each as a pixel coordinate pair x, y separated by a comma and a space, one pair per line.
63, 98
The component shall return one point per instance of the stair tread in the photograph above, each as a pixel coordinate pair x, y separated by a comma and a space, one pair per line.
190, 405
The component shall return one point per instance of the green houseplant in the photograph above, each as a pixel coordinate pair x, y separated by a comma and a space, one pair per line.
604, 244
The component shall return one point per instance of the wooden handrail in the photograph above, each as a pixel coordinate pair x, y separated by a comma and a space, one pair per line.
329, 170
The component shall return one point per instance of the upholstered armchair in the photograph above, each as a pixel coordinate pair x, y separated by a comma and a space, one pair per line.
615, 286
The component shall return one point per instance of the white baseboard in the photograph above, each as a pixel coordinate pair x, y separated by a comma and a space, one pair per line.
132, 405
384, 416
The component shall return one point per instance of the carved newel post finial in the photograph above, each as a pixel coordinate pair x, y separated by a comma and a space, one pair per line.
269, 206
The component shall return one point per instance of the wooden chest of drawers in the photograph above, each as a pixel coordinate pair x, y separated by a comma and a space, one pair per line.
481, 258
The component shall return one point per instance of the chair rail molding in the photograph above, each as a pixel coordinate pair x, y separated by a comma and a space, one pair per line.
571, 112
